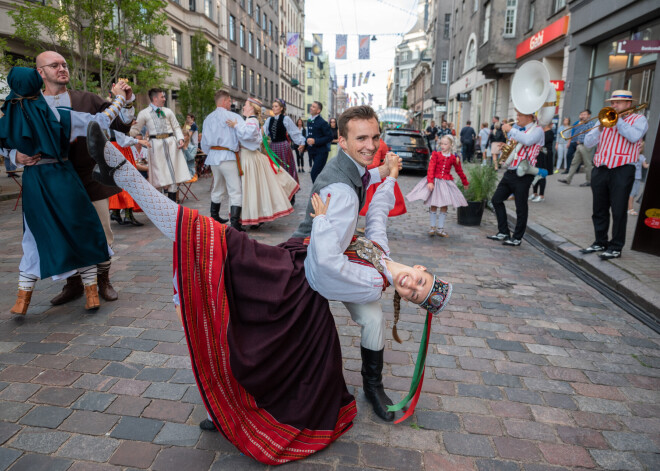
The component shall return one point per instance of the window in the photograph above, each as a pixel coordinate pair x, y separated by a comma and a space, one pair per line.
475, 6
259, 85
208, 8
265, 56
444, 71
270, 28
309, 90
510, 18
532, 11
277, 64
232, 28
234, 73
252, 81
471, 54
272, 90
257, 14
486, 28
263, 22
209, 53
241, 36
265, 89
243, 78
249, 7
447, 25
177, 49
250, 43
271, 60
191, 5
309, 73
559, 4
258, 49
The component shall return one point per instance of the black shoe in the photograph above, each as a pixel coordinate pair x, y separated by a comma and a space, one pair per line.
512, 242
372, 382
610, 254
592, 248
499, 236
207, 425
130, 219
116, 216
561, 180
235, 218
96, 141
585, 184
215, 213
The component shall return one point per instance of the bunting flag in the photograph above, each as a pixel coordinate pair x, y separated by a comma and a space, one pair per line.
317, 46
353, 80
292, 48
360, 80
345, 81
371, 98
340, 47
363, 47
366, 77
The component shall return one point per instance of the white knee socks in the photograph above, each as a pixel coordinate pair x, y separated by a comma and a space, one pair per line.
441, 219
26, 281
88, 275
433, 218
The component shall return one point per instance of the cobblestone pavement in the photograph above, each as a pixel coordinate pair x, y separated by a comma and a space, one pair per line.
528, 368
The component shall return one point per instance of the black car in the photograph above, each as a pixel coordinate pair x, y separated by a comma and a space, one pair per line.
410, 145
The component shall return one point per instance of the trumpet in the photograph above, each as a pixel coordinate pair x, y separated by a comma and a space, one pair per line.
607, 117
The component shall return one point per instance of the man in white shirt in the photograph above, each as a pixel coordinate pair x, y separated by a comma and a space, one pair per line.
220, 144
346, 178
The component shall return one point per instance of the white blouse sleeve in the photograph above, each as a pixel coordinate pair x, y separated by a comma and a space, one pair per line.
79, 120
380, 206
332, 275
294, 133
247, 131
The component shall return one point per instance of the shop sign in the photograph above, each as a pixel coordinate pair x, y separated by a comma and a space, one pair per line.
556, 30
558, 84
463, 96
638, 47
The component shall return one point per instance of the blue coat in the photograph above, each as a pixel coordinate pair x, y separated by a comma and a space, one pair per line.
319, 129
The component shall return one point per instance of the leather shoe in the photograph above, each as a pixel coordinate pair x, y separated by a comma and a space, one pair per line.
22, 302
106, 291
73, 289
592, 248
208, 425
512, 242
92, 298
499, 236
561, 180
116, 216
610, 254
585, 184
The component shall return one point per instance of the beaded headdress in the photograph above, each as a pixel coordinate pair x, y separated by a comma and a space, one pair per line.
438, 296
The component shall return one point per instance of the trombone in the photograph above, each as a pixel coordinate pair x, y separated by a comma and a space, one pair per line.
607, 117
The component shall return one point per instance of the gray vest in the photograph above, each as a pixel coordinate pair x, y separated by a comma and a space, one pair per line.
341, 169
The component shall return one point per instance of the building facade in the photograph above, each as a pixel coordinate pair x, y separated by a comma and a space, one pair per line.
439, 34
292, 69
317, 80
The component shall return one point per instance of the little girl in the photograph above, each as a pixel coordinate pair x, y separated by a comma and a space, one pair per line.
438, 189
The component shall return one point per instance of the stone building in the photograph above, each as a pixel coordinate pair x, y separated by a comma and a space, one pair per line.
317, 80
292, 69
439, 34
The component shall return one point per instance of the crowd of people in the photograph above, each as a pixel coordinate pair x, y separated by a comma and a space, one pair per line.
61, 138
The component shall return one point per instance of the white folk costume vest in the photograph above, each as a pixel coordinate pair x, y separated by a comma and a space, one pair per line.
528, 153
614, 150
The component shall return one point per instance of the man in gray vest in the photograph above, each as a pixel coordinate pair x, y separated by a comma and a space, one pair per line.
346, 178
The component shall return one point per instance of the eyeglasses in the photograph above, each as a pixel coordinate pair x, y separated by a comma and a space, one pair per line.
57, 65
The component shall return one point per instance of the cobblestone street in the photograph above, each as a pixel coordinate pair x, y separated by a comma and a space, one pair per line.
528, 368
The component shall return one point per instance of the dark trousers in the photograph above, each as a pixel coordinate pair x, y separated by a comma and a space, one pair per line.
611, 188
300, 158
519, 186
570, 152
320, 158
468, 150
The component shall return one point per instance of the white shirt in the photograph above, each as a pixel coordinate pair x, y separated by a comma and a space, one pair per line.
295, 134
248, 133
217, 133
329, 271
142, 154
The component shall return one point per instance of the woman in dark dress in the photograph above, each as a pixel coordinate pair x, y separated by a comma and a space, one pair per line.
544, 160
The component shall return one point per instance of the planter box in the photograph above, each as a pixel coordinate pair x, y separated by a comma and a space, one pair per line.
471, 214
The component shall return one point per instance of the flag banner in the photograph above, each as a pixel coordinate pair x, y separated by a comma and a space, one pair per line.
366, 77
292, 47
354, 80
363, 46
317, 46
345, 81
340, 48
360, 80
371, 98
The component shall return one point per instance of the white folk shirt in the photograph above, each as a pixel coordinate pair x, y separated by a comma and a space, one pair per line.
295, 134
141, 155
248, 133
216, 132
530, 141
618, 145
329, 271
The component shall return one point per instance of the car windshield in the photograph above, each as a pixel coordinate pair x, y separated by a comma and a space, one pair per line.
404, 140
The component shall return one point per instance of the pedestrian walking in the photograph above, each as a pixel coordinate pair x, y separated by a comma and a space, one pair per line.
561, 146
468, 137
497, 140
578, 153
319, 136
437, 189
335, 138
544, 161
431, 133
300, 154
484, 136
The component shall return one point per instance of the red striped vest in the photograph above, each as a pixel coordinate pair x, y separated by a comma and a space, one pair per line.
526, 153
614, 150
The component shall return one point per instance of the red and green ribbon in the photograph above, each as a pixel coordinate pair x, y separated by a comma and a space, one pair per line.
275, 163
418, 375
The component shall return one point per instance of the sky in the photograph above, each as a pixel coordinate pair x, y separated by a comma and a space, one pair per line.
387, 19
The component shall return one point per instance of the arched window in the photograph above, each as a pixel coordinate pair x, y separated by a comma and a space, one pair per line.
471, 54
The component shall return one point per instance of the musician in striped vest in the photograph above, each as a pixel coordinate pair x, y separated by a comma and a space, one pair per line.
530, 140
614, 174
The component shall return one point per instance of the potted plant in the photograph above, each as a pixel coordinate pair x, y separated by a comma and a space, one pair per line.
483, 180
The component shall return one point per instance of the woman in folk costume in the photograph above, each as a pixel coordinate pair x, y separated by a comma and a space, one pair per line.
62, 231
123, 200
264, 347
400, 204
267, 187
279, 129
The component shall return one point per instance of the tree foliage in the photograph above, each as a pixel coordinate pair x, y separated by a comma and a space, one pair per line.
102, 40
197, 93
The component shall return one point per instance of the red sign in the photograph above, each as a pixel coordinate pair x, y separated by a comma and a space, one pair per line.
556, 30
558, 84
638, 47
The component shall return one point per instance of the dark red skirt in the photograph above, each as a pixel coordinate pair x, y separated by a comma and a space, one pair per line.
264, 347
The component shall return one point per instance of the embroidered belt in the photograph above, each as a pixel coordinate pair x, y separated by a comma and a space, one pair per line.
163, 136
236, 153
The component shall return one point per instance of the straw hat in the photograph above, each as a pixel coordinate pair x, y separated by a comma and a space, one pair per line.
621, 95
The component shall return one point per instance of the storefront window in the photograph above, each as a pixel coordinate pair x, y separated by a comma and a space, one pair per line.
607, 60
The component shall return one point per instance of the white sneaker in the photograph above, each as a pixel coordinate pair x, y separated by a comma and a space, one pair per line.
538, 199
531, 197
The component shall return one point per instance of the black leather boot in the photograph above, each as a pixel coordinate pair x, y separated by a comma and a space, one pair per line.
372, 381
235, 218
73, 289
215, 213
130, 218
115, 215
172, 196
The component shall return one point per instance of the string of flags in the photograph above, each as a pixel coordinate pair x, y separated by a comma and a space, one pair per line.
359, 99
341, 45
